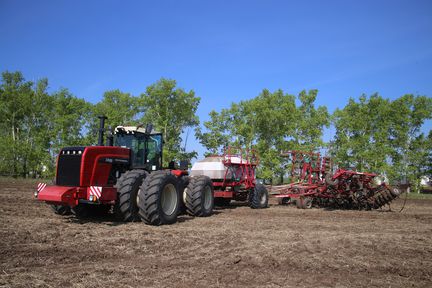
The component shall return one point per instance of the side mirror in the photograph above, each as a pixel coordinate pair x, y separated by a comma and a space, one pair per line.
149, 128
110, 136
184, 164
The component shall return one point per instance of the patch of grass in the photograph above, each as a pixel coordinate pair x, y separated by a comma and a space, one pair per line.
5, 179
418, 196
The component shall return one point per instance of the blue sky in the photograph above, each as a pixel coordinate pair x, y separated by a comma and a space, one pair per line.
226, 51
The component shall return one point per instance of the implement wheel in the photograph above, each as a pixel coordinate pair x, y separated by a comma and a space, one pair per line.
304, 202
128, 189
159, 199
258, 197
199, 196
284, 201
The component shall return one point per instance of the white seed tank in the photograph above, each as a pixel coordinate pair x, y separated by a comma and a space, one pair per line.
214, 167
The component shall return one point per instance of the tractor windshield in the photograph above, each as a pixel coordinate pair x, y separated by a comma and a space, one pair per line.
146, 149
154, 152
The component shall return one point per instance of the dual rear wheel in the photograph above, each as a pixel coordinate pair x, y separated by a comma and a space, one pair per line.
199, 196
157, 198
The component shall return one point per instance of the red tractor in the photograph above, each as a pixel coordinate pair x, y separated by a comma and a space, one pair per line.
126, 174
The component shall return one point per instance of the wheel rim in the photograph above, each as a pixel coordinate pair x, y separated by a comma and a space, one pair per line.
169, 199
263, 198
395, 191
308, 203
207, 197
185, 193
137, 197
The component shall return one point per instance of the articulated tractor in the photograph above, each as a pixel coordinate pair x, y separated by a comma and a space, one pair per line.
127, 175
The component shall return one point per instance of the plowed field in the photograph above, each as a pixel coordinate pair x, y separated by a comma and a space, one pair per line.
236, 247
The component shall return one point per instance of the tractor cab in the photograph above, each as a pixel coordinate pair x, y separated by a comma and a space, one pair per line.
145, 146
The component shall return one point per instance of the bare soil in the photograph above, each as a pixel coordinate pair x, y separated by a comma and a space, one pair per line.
236, 247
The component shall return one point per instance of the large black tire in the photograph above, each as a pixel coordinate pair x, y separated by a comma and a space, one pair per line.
61, 209
159, 198
200, 196
258, 198
183, 184
304, 202
284, 201
128, 188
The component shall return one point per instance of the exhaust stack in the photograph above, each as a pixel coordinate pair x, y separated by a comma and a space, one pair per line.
101, 130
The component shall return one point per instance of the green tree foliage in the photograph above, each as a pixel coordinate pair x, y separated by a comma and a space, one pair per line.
410, 147
309, 122
427, 163
70, 120
272, 117
383, 136
372, 133
35, 124
216, 136
120, 108
23, 120
361, 133
271, 123
171, 110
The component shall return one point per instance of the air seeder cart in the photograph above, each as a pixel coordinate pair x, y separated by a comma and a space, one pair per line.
233, 177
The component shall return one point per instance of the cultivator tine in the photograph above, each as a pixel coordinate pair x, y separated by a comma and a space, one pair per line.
347, 189
383, 197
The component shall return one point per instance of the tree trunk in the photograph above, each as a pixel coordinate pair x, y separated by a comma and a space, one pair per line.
14, 158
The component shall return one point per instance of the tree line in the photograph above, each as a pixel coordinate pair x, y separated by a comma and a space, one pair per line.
372, 133
36, 124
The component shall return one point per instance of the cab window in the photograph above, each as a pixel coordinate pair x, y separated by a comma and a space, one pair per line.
154, 149
137, 145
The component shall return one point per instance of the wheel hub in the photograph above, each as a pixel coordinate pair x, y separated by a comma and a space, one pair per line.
169, 199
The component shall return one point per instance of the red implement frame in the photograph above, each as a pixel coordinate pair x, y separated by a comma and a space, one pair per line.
312, 179
239, 173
